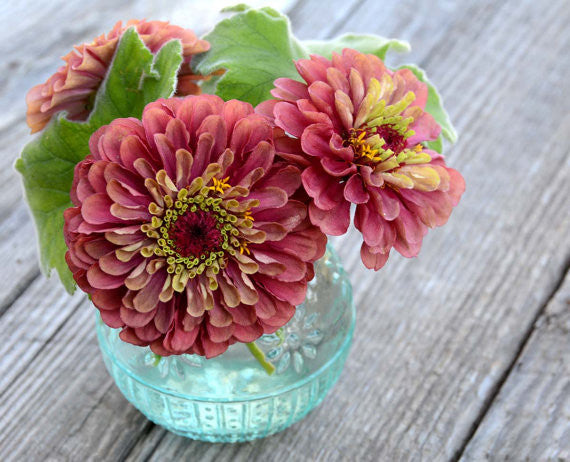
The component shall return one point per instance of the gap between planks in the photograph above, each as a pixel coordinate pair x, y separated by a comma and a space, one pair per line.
506, 374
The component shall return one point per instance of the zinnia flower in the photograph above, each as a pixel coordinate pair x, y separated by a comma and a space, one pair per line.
184, 231
73, 87
361, 127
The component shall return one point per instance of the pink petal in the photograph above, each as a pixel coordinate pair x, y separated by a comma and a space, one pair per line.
96, 210
212, 349
133, 148
292, 292
95, 176
315, 140
215, 125
155, 120
287, 178
148, 333
290, 215
234, 111
266, 109
107, 299
248, 133
164, 316
265, 307
220, 334
192, 111
133, 318
339, 150
337, 167
100, 280
410, 82
178, 340
311, 69
295, 267
166, 151
120, 195
425, 128
354, 190
203, 154
334, 222
219, 316
271, 197
386, 202
372, 260
322, 96
147, 298
112, 318
110, 264
290, 118
284, 313
177, 134
375, 230
324, 189
249, 333
289, 89
243, 315
261, 157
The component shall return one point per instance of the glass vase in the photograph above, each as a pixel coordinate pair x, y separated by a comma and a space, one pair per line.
231, 398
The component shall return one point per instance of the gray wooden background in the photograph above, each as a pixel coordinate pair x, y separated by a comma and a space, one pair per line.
462, 353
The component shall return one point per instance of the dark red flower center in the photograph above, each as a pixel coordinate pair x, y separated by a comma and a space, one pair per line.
394, 140
195, 234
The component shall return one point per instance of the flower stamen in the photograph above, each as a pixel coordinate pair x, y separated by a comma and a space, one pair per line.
194, 232
220, 185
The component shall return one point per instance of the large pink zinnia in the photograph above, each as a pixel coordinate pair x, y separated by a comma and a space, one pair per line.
184, 231
72, 88
361, 128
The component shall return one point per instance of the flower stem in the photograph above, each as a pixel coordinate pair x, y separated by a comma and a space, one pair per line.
260, 356
157, 359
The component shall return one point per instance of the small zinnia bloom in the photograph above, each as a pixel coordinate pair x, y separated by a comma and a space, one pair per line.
361, 127
73, 87
184, 230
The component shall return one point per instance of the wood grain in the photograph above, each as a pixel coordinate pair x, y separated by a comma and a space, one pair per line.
436, 336
530, 418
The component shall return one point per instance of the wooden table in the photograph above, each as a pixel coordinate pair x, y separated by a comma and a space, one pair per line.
462, 353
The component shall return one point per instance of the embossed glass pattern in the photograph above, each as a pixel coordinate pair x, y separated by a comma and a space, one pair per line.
231, 398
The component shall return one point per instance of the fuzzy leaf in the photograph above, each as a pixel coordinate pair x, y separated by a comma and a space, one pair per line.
365, 43
135, 78
435, 145
255, 47
434, 105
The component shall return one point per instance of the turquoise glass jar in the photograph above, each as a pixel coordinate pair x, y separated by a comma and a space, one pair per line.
231, 398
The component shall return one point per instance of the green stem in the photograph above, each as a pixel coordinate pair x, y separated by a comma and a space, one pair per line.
260, 356
281, 335
157, 359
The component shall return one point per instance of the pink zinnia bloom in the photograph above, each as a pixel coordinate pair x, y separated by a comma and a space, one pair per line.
72, 88
361, 126
184, 230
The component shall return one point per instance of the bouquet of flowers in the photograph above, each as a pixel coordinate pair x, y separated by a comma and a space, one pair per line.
189, 185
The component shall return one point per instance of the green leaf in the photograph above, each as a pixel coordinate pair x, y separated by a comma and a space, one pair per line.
239, 8
135, 78
436, 145
255, 47
365, 43
209, 85
434, 104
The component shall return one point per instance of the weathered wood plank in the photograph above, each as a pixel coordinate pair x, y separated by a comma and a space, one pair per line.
530, 419
18, 246
435, 335
65, 406
32, 322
